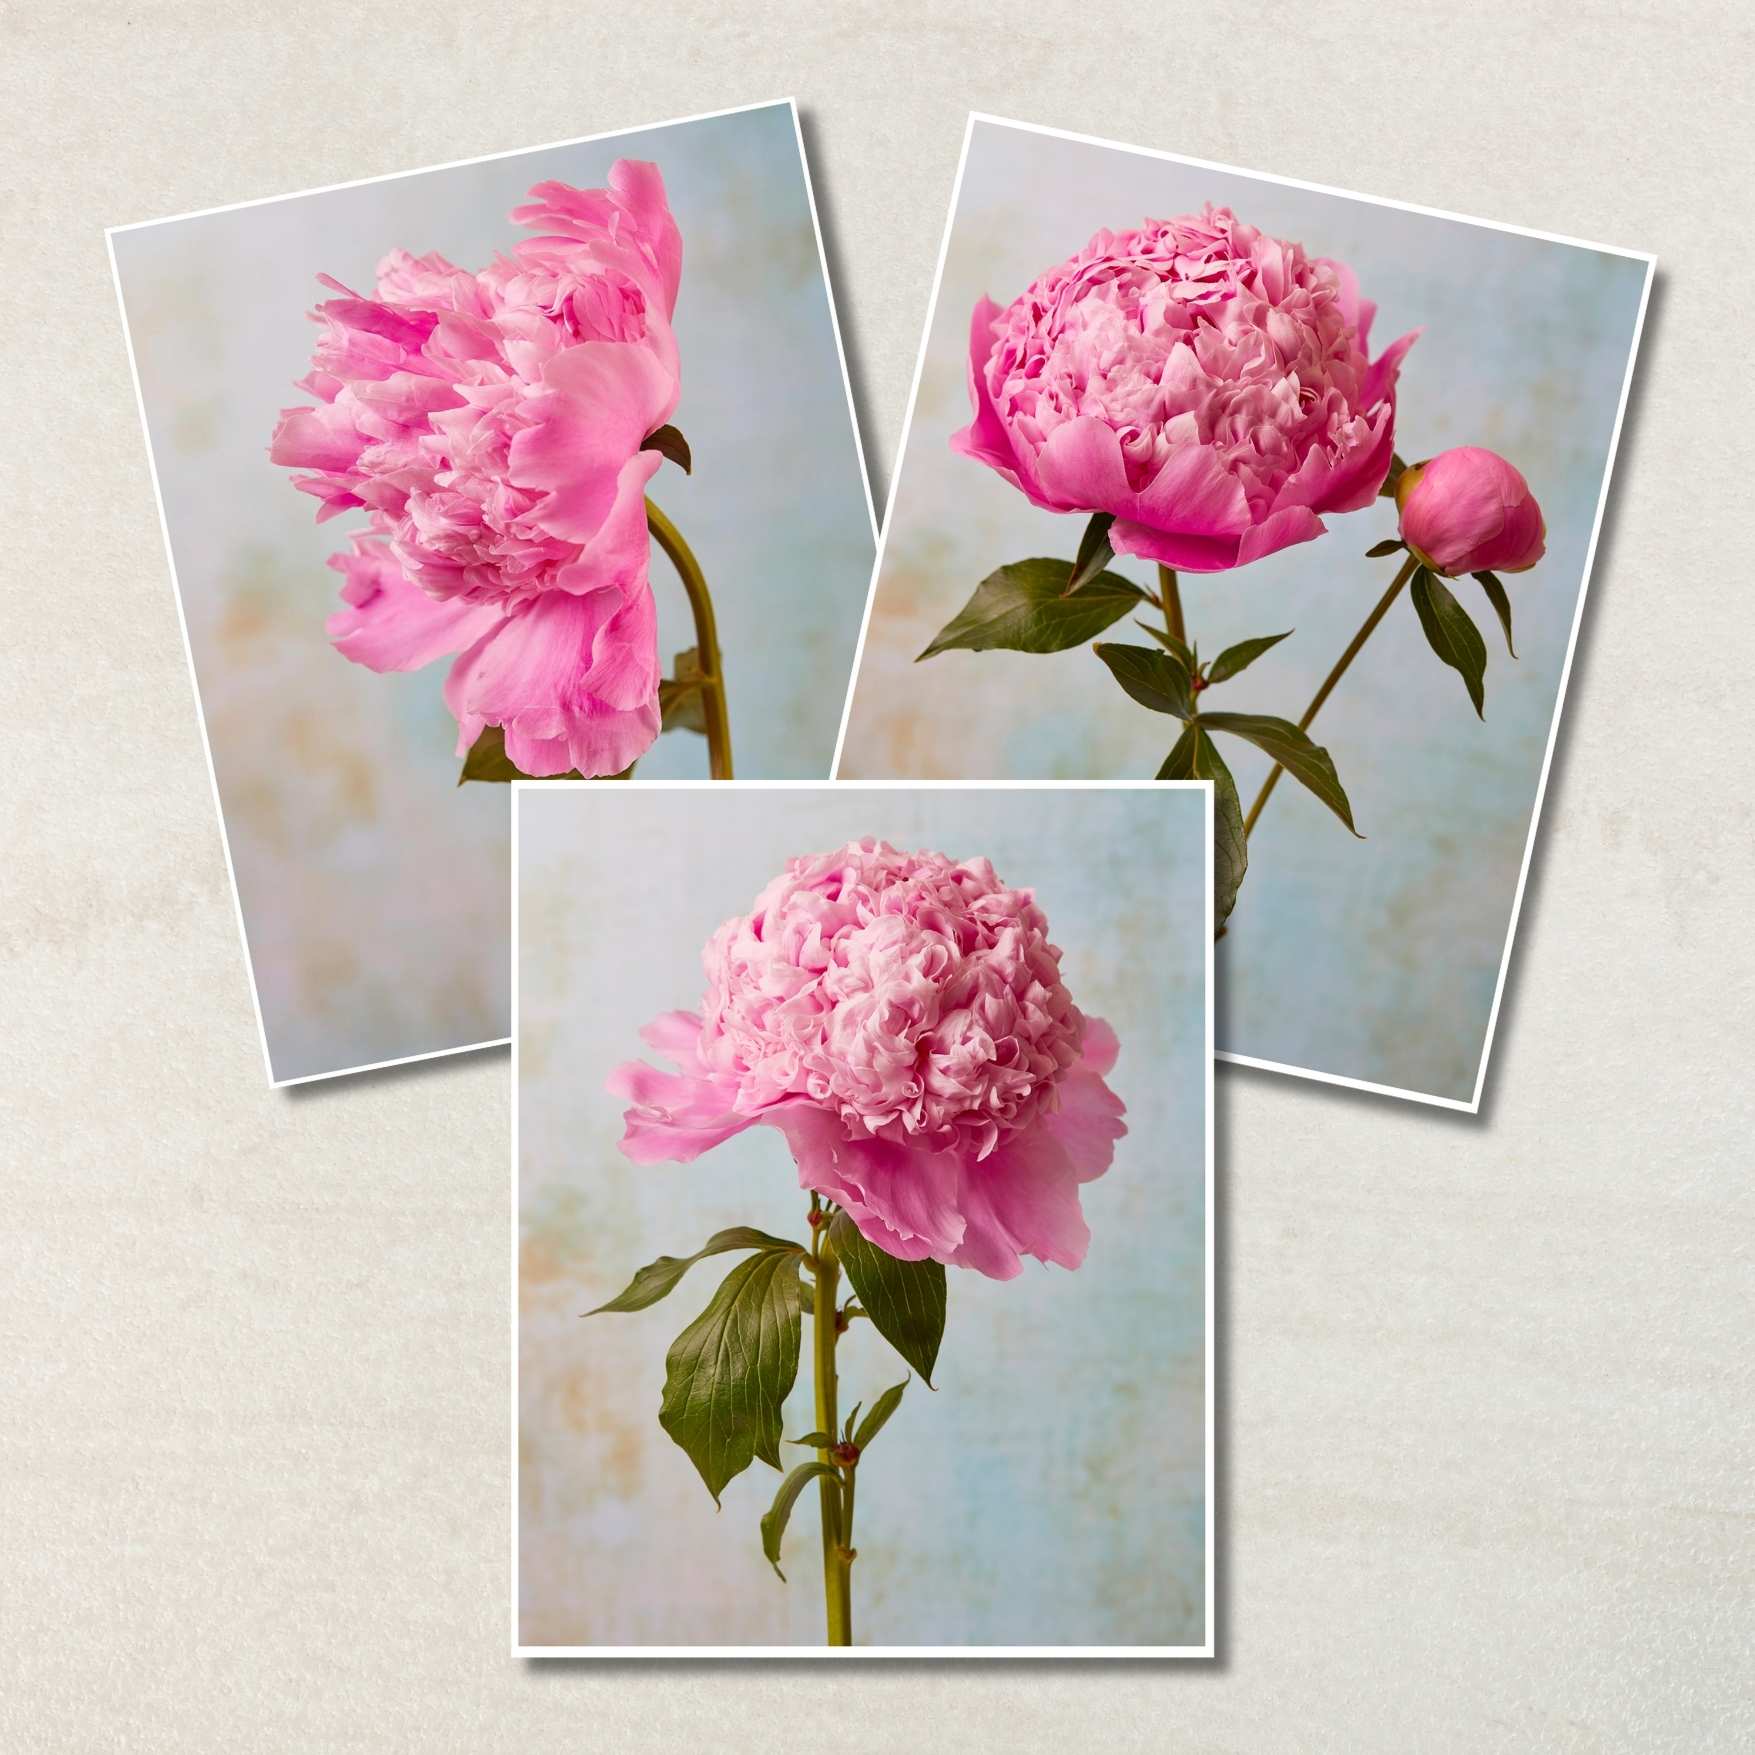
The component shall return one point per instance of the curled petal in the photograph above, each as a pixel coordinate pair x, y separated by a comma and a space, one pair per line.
573, 680
985, 438
598, 402
1024, 1200
912, 1195
389, 623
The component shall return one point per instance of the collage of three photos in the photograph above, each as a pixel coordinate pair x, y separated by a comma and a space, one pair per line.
881, 897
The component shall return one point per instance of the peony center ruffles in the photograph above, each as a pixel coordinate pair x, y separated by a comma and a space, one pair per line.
986, 1213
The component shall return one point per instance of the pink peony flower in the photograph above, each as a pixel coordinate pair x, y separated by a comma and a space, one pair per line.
1469, 511
900, 1018
491, 424
1203, 382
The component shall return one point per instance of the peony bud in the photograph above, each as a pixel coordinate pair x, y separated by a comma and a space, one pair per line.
1469, 511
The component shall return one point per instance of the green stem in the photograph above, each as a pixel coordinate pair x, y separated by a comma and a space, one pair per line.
1334, 676
837, 1582
669, 538
1170, 595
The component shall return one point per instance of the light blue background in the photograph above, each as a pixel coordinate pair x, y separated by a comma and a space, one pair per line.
1052, 1490
1371, 959
373, 888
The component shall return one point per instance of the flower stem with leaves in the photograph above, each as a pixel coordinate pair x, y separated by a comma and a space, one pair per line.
1046, 605
729, 1372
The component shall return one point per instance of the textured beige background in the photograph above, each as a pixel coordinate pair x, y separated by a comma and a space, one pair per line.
1485, 1388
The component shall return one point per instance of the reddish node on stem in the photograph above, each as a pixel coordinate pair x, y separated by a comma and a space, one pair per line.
845, 1455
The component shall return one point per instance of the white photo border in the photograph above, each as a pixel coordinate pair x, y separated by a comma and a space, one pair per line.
621, 1653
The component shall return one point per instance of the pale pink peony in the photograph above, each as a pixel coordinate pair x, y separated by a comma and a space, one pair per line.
491, 424
1205, 383
900, 1018
1469, 511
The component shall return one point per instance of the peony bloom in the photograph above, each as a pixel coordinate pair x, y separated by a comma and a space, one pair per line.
491, 425
1206, 384
1469, 511
900, 1018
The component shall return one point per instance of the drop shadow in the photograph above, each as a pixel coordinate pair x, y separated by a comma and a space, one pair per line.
844, 317
382, 1078
1506, 1032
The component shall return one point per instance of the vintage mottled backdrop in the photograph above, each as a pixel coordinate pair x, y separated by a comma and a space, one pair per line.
1372, 959
1053, 1491
373, 888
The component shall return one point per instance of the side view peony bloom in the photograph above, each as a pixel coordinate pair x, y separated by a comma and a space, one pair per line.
1206, 384
1469, 511
491, 424
901, 1019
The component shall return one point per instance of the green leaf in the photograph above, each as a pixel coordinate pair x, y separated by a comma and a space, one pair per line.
1183, 655
1308, 763
881, 1410
847, 1424
1452, 635
1196, 757
660, 1277
1489, 582
728, 1372
1241, 656
1389, 546
1154, 679
1025, 608
815, 1440
904, 1299
1094, 552
775, 1518
679, 697
1396, 466
671, 444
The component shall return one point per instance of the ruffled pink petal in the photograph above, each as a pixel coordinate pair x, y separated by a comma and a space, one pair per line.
1023, 1200
1279, 530
1192, 514
1380, 379
573, 680
389, 623
620, 552
1171, 548
599, 401
335, 491
1100, 1049
323, 439
1194, 495
985, 438
628, 224
911, 1194
1088, 1121
675, 1116
636, 183
1081, 468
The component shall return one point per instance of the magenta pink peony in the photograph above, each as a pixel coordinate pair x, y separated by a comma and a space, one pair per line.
491, 424
901, 1019
1469, 511
1206, 384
